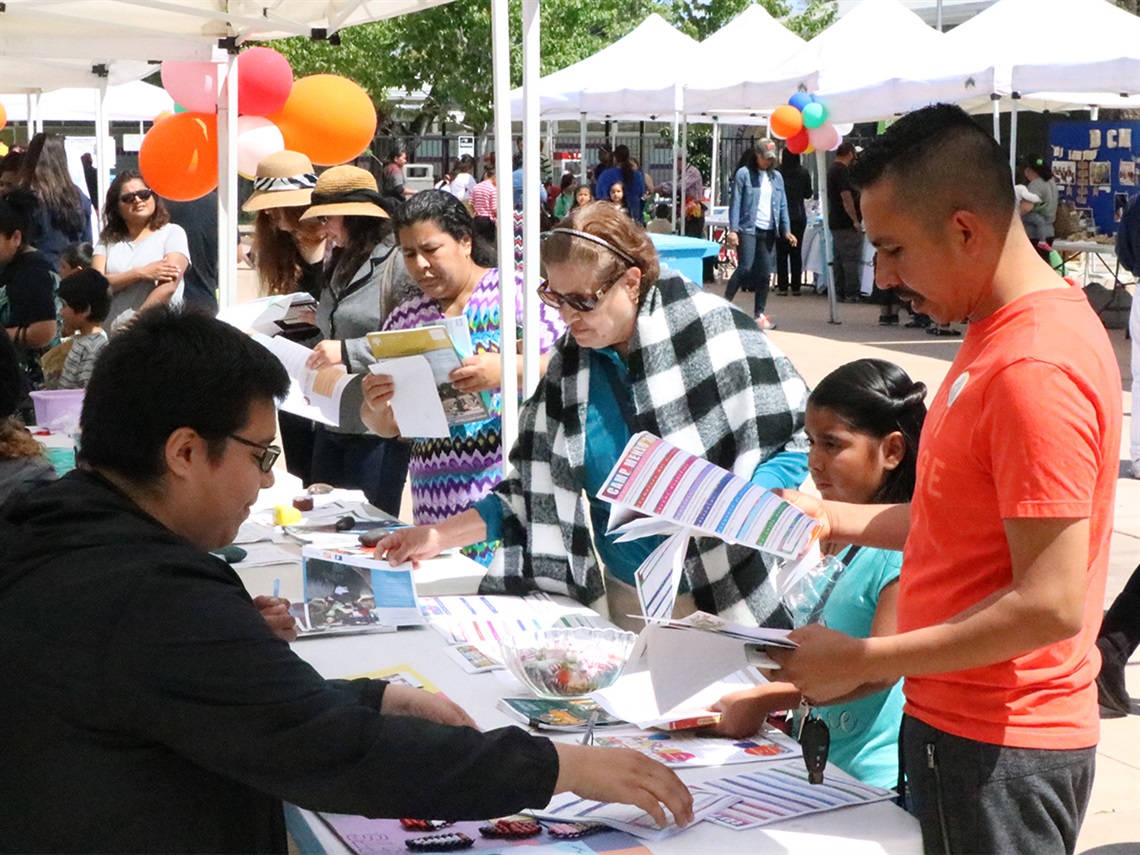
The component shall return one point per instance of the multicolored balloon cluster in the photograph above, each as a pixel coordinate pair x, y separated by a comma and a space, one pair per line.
325, 116
803, 124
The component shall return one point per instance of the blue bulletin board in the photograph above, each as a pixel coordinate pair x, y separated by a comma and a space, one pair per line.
1095, 165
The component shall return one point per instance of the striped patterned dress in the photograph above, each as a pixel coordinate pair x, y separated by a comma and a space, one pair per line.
449, 475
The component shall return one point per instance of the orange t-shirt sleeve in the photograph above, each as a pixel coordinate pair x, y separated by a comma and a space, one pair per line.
1044, 442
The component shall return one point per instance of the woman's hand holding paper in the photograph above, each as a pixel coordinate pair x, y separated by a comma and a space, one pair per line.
404, 700
410, 544
376, 410
480, 373
325, 353
626, 776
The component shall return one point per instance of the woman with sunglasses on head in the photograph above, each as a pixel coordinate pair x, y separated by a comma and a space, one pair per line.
449, 474
289, 255
644, 353
364, 280
142, 254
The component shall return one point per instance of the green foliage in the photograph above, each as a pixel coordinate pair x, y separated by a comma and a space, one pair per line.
446, 50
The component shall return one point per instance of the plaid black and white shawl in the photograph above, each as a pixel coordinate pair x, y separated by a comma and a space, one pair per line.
704, 378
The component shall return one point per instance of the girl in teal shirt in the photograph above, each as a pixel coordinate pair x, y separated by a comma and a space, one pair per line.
863, 423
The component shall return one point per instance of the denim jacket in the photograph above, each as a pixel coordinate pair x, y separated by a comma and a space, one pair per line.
742, 205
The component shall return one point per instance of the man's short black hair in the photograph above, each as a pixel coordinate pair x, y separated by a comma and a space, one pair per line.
171, 368
940, 161
87, 290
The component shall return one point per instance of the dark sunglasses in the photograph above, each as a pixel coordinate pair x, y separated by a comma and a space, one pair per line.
141, 195
268, 455
577, 302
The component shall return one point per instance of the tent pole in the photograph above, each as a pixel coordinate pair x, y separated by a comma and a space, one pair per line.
532, 180
1013, 133
995, 100
673, 167
684, 167
550, 150
102, 132
227, 177
828, 247
715, 194
501, 66
582, 150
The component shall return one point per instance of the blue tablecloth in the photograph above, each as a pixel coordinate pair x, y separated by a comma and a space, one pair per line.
685, 254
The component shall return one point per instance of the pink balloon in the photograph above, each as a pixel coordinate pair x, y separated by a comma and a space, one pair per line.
194, 85
265, 80
825, 137
257, 138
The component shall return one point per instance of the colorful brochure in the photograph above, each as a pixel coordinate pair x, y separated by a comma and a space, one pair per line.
685, 750
346, 592
548, 714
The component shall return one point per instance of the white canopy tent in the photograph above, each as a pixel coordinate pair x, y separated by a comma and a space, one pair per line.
128, 102
741, 51
618, 81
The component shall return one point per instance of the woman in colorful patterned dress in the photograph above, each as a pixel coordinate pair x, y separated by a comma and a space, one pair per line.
449, 474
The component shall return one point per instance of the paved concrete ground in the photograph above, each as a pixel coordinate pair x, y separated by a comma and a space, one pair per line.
1112, 825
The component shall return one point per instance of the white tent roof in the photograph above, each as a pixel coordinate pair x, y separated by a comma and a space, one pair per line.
47, 44
1095, 50
732, 57
921, 67
642, 64
127, 102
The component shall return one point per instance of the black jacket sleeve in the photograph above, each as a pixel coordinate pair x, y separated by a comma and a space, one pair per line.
206, 677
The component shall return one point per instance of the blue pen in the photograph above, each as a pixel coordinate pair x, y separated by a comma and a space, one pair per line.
276, 588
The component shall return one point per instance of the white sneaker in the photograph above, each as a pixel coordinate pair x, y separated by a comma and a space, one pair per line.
765, 322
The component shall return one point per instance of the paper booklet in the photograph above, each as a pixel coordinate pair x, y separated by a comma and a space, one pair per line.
548, 714
313, 394
657, 488
346, 592
271, 315
423, 358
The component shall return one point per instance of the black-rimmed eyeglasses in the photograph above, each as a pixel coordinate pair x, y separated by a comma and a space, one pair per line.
268, 453
142, 195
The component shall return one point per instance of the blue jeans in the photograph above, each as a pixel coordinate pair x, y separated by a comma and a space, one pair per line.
756, 262
373, 464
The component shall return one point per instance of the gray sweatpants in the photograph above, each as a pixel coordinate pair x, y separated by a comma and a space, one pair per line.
973, 797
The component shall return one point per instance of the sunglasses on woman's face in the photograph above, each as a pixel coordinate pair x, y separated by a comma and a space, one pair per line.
577, 302
141, 195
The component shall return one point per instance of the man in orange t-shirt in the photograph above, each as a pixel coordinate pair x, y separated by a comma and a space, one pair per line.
1006, 540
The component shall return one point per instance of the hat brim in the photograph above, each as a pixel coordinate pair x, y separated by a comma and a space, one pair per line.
345, 209
259, 200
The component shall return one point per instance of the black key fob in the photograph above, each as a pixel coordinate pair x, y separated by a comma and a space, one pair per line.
815, 739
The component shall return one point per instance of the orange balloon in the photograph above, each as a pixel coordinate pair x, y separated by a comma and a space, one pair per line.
786, 121
3, 116
165, 114
179, 156
327, 117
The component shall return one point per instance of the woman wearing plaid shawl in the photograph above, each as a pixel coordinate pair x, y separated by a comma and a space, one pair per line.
645, 352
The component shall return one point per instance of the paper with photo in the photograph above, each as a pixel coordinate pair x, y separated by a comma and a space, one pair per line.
415, 402
314, 394
687, 749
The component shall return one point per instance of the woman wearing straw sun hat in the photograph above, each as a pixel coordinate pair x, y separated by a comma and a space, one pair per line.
289, 256
364, 279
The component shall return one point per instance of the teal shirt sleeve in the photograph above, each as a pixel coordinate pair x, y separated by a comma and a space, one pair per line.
490, 508
788, 469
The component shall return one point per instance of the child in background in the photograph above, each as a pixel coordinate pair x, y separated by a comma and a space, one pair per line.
85, 298
617, 196
863, 424
76, 256
582, 196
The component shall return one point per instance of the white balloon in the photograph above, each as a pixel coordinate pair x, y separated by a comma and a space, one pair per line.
257, 138
838, 142
844, 128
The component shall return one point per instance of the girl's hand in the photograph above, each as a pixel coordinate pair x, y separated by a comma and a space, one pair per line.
325, 353
742, 714
810, 505
480, 373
